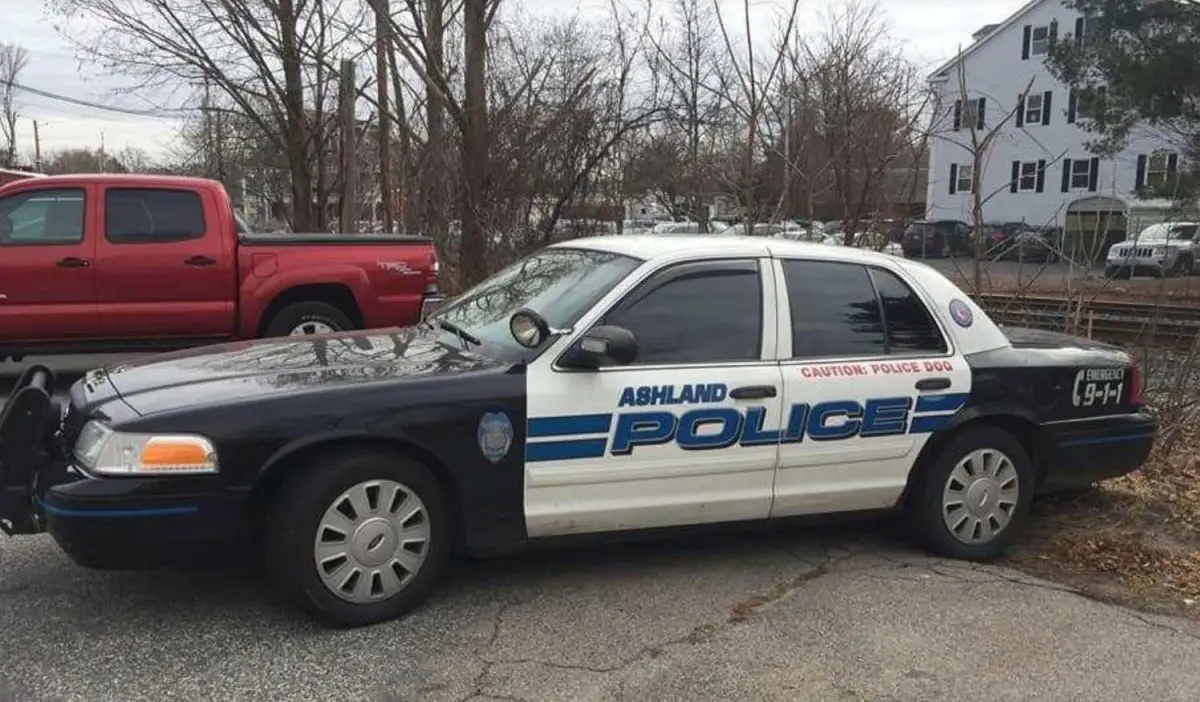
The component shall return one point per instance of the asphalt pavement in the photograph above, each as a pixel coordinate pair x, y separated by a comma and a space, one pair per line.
843, 613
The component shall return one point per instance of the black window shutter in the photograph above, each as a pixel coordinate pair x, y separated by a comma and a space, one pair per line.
1021, 110
1046, 107
1139, 180
1025, 41
1053, 31
1078, 31
1066, 183
1072, 105
953, 177
982, 120
1041, 176
1016, 177
1094, 174
957, 115
1172, 164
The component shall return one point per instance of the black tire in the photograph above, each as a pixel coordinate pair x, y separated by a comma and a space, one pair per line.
295, 513
298, 314
925, 504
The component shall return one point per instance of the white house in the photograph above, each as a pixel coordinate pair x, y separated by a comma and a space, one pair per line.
1038, 168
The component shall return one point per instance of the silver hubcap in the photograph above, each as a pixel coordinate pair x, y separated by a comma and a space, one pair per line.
307, 328
372, 541
980, 497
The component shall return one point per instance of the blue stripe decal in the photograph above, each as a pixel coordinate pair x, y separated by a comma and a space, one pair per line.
568, 425
118, 513
928, 423
941, 403
565, 450
1113, 439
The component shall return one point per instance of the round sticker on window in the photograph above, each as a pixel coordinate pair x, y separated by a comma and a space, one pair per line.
961, 313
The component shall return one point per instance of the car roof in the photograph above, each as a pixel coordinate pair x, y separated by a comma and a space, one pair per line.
653, 248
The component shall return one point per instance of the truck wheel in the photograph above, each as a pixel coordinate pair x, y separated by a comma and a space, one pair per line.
303, 318
974, 496
362, 538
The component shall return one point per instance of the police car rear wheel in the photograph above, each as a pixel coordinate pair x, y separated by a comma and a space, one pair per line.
975, 495
359, 538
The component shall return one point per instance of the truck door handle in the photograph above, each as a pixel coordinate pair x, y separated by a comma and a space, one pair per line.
933, 383
752, 392
199, 261
72, 262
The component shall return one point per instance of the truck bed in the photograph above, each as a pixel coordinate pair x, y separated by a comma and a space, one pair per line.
319, 238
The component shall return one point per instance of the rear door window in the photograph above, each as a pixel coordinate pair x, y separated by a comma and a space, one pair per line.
152, 216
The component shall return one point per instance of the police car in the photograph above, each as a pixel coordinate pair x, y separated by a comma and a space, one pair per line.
599, 386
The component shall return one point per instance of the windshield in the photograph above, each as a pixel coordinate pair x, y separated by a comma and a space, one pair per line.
558, 283
1166, 232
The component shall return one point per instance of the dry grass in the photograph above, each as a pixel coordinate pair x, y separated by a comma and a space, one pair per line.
1134, 540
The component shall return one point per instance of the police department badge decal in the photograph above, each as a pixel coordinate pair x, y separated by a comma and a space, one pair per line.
495, 435
962, 314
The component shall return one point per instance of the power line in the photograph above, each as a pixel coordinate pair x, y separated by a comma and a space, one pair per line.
81, 102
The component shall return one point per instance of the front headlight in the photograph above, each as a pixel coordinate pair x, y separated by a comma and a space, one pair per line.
102, 450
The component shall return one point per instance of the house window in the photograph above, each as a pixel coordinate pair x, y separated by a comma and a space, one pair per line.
970, 114
1039, 40
1033, 109
1086, 27
963, 181
1027, 183
1081, 174
1088, 102
1157, 169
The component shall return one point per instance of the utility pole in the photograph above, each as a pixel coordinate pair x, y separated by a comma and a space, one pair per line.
383, 26
349, 152
37, 148
206, 111
103, 156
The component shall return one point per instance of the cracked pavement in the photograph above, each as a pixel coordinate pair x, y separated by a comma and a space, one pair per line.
839, 613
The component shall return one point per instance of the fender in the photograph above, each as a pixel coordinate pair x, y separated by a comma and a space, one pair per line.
276, 468
257, 293
1001, 410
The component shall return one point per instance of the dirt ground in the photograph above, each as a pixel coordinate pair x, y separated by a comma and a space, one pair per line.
1133, 540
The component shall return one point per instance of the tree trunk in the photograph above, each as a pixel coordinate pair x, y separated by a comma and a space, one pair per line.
434, 198
475, 165
296, 138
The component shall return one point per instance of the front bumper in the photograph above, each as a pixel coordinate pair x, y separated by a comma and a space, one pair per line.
101, 522
1120, 267
1086, 451
141, 522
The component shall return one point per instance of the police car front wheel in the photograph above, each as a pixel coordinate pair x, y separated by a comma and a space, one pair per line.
975, 494
358, 538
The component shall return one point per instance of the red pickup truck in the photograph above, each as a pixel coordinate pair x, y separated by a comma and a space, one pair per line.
109, 263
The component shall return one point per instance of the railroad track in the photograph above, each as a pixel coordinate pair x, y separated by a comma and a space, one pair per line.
1106, 320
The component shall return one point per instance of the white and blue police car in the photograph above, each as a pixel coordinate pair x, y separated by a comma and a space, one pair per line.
597, 387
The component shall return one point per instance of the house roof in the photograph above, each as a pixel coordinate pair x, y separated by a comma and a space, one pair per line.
996, 30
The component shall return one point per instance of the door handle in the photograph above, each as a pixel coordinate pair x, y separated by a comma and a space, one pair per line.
752, 392
72, 262
933, 383
199, 261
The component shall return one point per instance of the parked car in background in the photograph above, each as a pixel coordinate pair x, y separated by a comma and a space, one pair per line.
1035, 245
109, 263
937, 238
1000, 237
1161, 250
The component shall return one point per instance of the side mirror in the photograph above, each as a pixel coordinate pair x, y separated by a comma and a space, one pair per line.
602, 346
528, 327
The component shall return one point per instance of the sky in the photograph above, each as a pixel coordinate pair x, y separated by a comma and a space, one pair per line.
930, 31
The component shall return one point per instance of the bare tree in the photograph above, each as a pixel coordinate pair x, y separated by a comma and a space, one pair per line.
12, 61
273, 63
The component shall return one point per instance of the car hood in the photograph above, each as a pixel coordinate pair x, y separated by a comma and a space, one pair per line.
243, 370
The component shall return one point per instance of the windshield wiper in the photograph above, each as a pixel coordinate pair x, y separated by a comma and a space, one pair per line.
458, 331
